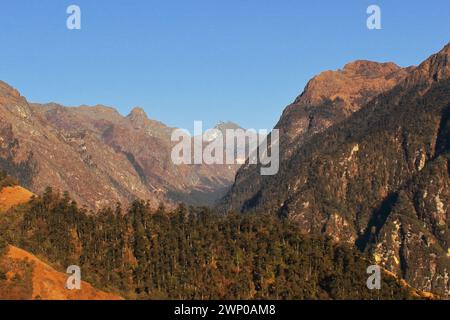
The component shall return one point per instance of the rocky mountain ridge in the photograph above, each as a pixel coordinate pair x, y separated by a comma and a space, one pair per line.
367, 164
99, 156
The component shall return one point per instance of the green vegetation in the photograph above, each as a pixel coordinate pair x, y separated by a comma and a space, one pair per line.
383, 171
3, 245
6, 181
191, 253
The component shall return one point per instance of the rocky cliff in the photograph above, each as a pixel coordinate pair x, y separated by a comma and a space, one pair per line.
365, 160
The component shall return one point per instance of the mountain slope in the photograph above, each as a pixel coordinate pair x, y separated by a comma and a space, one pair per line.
40, 281
123, 158
378, 179
24, 276
145, 254
328, 99
12, 196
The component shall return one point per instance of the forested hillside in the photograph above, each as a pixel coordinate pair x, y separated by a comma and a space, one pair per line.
378, 179
191, 253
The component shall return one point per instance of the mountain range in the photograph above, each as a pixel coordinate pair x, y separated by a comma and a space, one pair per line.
365, 160
123, 158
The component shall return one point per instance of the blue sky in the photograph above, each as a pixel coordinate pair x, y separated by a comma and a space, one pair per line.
210, 60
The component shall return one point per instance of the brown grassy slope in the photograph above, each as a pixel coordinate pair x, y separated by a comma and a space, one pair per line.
46, 282
27, 277
12, 196
15, 279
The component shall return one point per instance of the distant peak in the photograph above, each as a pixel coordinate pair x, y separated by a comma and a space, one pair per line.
138, 118
439, 59
435, 68
6, 89
365, 67
137, 113
224, 125
446, 49
99, 108
352, 84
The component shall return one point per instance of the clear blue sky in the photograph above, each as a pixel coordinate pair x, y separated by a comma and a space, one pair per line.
210, 60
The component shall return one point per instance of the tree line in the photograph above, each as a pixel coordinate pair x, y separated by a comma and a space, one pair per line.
190, 252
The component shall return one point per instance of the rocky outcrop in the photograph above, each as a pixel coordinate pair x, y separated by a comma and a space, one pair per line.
328, 99
371, 171
332, 96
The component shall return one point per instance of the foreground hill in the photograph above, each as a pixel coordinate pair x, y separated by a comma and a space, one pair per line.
23, 276
10, 193
12, 196
377, 176
184, 254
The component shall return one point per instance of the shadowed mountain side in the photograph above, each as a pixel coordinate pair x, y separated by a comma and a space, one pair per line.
377, 177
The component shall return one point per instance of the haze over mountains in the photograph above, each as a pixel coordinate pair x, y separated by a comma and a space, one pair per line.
364, 159
123, 158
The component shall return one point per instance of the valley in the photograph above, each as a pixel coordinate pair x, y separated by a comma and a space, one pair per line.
363, 179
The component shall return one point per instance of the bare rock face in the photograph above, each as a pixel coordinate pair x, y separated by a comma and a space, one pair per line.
435, 68
334, 95
328, 99
365, 160
98, 156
